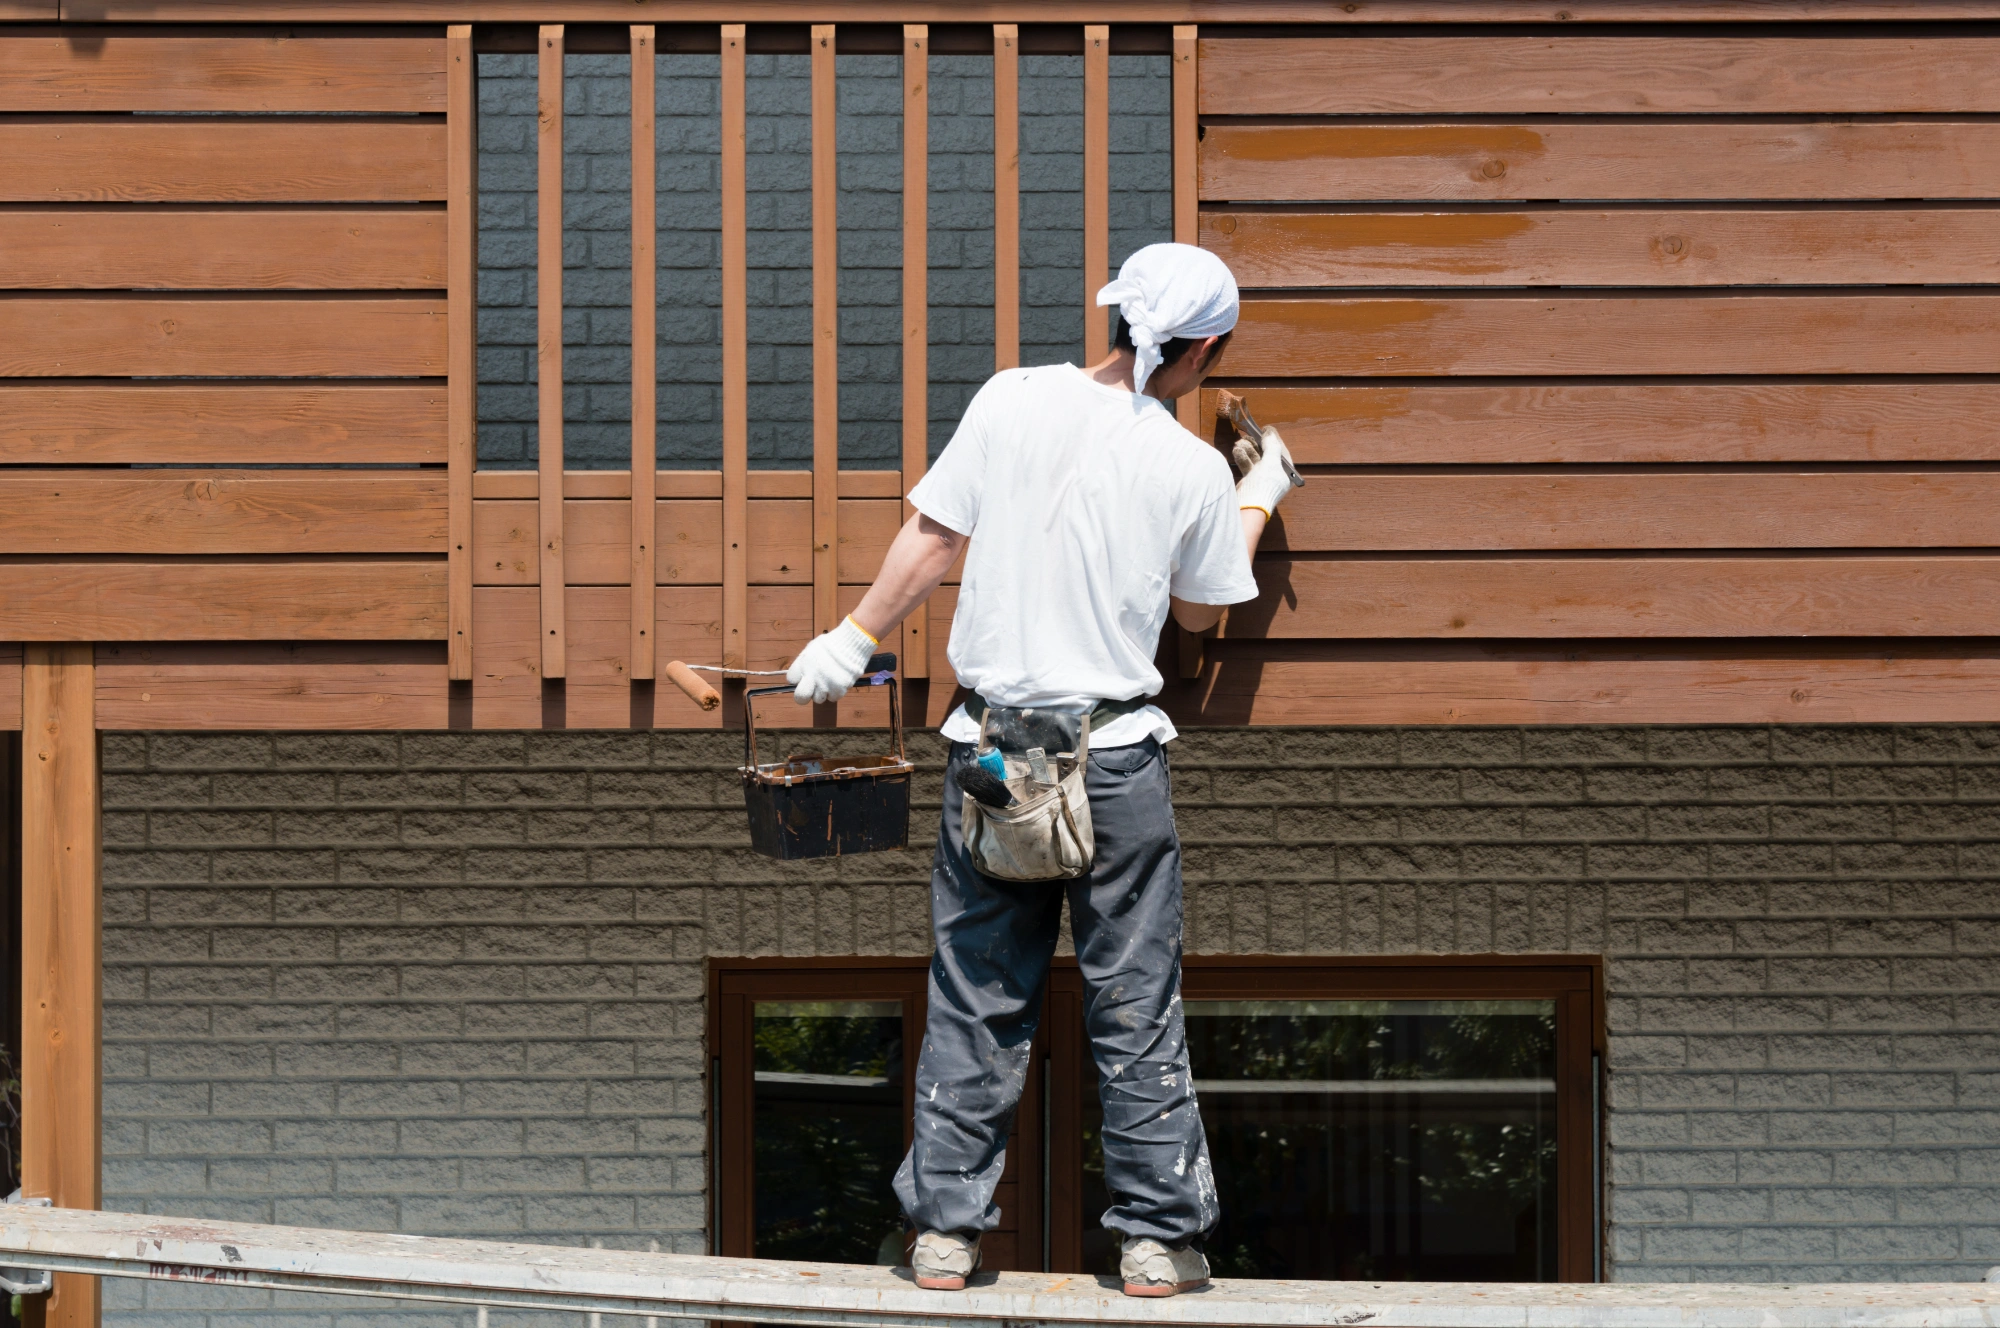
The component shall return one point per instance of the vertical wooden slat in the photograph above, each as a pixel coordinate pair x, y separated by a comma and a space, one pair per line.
826, 335
1187, 143
549, 340
1006, 196
461, 336
1096, 188
916, 307
61, 967
644, 350
735, 359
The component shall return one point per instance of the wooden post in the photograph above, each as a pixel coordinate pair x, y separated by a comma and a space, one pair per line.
1006, 196
462, 335
916, 308
645, 512
826, 335
61, 969
1192, 647
549, 342
735, 359
1096, 188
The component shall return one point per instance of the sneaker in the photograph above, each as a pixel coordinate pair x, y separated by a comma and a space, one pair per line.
942, 1260
1152, 1269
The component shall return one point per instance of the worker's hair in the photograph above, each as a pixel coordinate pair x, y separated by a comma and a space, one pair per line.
1171, 349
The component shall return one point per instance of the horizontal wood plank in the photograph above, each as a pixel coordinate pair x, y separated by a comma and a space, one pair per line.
58, 424
325, 337
1457, 598
1602, 424
1289, 682
273, 686
686, 484
1662, 509
1608, 247
221, 511
1498, 74
222, 161
1548, 160
1018, 11
133, 249
121, 71
1689, 333
362, 600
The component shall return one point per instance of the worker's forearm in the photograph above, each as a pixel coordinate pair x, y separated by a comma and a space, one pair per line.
922, 553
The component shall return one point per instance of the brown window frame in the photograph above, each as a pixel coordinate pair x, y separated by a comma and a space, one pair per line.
1049, 1231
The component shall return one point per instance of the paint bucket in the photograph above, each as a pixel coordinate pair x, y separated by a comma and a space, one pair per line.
813, 806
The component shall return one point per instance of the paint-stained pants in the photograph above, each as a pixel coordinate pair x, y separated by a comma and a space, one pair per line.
994, 943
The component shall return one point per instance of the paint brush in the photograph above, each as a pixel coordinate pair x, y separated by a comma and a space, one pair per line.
1236, 410
983, 786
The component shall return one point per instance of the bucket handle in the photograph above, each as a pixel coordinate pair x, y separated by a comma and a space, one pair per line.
881, 669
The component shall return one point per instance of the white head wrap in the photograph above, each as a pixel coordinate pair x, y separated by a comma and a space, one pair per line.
1167, 291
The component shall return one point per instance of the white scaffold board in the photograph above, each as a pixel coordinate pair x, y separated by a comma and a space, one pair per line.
505, 1275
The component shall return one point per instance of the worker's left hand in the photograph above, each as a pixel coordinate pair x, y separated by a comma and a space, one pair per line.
829, 664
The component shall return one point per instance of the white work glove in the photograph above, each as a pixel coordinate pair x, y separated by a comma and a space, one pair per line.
1264, 483
829, 664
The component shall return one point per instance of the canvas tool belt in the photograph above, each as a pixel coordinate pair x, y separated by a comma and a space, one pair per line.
1046, 834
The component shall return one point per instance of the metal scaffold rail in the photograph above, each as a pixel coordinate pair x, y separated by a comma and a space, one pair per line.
514, 1276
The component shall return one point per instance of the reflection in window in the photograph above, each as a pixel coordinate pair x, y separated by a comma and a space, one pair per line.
1408, 1140
828, 1130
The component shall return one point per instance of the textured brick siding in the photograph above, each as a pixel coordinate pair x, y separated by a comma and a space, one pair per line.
452, 983
597, 245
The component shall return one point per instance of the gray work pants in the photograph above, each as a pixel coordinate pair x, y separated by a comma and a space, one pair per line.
994, 943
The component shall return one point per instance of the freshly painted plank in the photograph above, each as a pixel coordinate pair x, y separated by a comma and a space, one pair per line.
1717, 159
1496, 74
1576, 333
1006, 196
462, 339
735, 477
826, 332
1608, 247
1458, 598
222, 161
915, 649
686, 484
51, 424
122, 71
361, 600
327, 337
645, 352
289, 685
1186, 154
221, 511
1096, 188
147, 249
1293, 682
549, 106
1658, 509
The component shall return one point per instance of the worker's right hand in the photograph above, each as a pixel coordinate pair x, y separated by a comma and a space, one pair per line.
1264, 483
829, 664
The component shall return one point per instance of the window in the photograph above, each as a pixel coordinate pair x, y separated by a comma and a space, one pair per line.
1367, 1119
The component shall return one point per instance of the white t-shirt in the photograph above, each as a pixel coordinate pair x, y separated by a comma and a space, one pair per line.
1088, 506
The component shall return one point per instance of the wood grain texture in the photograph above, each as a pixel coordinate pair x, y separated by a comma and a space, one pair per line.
57, 424
461, 335
119, 160
121, 71
1187, 197
1457, 598
686, 484
222, 511
273, 686
1608, 247
735, 353
1096, 188
328, 337
1577, 161
916, 633
1620, 509
1625, 423
645, 351
826, 332
1006, 196
62, 929
549, 338
372, 600
1497, 74
161, 249
10, 686
1286, 682
1692, 333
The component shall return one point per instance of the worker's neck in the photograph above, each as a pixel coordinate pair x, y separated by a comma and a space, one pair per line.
1115, 370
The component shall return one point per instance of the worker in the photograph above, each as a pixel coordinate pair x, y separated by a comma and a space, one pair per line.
1090, 514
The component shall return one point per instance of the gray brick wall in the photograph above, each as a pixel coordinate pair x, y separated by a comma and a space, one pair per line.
597, 245
451, 983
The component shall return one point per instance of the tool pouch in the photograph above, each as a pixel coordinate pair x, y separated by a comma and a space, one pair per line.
1044, 836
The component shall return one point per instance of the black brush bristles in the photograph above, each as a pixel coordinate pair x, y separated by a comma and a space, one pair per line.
983, 786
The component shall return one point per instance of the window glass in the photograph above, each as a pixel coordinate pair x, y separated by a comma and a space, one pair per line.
1408, 1140
828, 1129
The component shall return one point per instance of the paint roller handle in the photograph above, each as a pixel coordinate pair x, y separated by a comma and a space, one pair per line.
699, 692
880, 662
